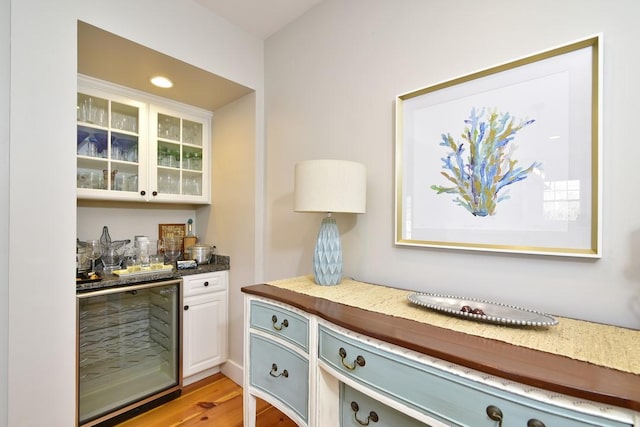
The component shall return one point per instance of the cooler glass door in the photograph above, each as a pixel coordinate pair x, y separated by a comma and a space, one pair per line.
128, 348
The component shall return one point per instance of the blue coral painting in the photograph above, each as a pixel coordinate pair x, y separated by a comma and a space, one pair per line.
480, 165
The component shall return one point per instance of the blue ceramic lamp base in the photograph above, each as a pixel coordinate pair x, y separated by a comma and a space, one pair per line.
327, 257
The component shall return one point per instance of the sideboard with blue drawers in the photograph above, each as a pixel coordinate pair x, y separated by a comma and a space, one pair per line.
323, 363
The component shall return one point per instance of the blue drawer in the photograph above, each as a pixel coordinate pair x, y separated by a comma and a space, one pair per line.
440, 394
280, 372
281, 322
357, 409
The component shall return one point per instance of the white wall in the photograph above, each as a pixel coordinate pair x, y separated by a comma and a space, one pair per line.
41, 209
126, 220
41, 330
231, 219
5, 34
331, 80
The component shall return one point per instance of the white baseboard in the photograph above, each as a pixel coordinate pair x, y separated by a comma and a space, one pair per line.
233, 371
200, 376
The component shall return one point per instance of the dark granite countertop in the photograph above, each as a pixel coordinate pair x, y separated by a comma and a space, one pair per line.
111, 281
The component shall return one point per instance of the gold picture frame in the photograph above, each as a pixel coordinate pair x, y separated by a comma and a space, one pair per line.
460, 183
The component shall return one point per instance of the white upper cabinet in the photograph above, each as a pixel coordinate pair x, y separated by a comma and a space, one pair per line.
179, 160
132, 146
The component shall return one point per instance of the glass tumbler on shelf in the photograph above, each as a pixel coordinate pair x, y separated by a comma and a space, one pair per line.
143, 250
191, 186
156, 262
162, 155
92, 148
173, 159
168, 183
186, 161
196, 162
134, 264
164, 126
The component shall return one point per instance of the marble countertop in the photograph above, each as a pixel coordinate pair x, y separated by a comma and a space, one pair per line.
110, 280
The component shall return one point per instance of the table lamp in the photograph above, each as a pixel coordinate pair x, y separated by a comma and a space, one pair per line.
329, 186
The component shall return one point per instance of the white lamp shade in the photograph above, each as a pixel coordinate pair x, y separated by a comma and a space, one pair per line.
330, 186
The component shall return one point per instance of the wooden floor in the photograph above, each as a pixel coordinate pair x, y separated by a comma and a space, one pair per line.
216, 401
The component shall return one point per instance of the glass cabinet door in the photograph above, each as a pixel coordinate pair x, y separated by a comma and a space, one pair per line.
137, 147
108, 146
128, 349
181, 156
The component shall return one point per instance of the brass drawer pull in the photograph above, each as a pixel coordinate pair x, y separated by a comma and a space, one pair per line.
495, 414
535, 423
274, 320
274, 369
372, 415
358, 362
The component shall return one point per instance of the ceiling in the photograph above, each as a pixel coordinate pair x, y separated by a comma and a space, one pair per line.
107, 56
261, 18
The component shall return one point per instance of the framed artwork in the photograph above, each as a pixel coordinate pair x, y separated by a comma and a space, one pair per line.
507, 159
172, 230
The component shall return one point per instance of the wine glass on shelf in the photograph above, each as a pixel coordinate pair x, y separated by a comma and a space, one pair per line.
94, 251
172, 247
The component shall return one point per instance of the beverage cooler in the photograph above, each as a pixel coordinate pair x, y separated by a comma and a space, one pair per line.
129, 352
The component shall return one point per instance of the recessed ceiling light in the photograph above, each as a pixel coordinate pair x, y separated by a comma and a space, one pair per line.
161, 81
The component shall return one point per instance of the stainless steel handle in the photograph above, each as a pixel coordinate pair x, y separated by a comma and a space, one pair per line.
108, 291
372, 415
495, 414
358, 362
284, 324
274, 369
535, 423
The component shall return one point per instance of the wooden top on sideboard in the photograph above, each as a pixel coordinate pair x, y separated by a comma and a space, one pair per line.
532, 367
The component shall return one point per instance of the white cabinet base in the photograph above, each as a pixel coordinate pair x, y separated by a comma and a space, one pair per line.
205, 323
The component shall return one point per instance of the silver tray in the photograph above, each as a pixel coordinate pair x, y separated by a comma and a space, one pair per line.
492, 312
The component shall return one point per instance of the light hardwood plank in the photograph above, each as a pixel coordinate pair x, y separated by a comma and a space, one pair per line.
215, 401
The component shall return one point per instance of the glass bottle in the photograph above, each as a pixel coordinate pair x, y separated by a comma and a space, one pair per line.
105, 239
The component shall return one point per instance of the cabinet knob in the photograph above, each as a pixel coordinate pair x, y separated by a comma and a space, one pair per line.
495, 414
535, 423
142, 192
155, 193
206, 284
372, 415
186, 307
358, 362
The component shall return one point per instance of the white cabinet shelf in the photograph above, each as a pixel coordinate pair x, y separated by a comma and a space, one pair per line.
132, 146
